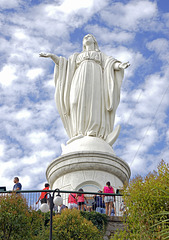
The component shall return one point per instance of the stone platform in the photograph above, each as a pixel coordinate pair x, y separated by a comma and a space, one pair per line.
87, 163
114, 223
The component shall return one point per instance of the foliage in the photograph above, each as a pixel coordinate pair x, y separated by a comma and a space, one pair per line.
17, 221
146, 202
37, 223
98, 219
165, 232
71, 225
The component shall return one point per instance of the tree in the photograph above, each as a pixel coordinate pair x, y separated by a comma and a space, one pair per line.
71, 225
146, 202
17, 220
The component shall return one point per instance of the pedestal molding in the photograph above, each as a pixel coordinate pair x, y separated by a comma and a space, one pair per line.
88, 161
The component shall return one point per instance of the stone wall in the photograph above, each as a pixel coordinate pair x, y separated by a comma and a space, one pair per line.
114, 223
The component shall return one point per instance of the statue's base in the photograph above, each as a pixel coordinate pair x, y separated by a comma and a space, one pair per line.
87, 164
88, 144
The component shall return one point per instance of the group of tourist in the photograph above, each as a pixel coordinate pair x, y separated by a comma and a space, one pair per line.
102, 203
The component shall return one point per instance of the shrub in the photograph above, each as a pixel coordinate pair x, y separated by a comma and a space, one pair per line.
98, 219
17, 221
71, 225
145, 199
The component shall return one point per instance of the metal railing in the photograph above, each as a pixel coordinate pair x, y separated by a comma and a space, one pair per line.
32, 196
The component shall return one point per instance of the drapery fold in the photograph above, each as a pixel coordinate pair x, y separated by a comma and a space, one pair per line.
87, 93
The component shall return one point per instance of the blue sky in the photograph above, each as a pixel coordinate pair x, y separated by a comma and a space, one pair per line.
31, 132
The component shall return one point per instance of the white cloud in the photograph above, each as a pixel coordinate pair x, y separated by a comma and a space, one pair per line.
45, 153
23, 114
34, 73
2, 149
139, 165
26, 181
37, 137
161, 47
85, 7
7, 75
31, 130
9, 4
5, 45
10, 164
71, 6
20, 34
167, 136
153, 90
130, 16
107, 35
29, 160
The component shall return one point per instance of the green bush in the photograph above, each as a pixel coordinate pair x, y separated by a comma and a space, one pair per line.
145, 199
98, 219
71, 225
17, 221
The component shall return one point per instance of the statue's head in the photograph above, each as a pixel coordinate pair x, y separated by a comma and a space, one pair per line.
96, 47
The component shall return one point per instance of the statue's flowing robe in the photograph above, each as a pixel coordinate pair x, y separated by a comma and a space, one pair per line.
87, 93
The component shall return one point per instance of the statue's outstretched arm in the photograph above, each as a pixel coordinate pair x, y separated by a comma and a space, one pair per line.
50, 55
124, 65
118, 66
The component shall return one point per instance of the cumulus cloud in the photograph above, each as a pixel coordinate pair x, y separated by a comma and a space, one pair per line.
106, 35
7, 75
34, 73
130, 16
9, 4
161, 47
167, 136
23, 114
2, 149
31, 129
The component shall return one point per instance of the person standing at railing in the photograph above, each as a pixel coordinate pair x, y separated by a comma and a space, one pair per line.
42, 197
123, 208
72, 201
81, 200
62, 208
108, 199
18, 185
100, 205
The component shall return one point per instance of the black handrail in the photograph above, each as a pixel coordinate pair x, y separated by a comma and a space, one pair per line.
63, 191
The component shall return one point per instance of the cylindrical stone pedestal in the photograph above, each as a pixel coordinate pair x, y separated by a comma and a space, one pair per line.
87, 163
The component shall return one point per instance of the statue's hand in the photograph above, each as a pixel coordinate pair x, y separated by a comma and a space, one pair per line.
45, 55
50, 55
124, 65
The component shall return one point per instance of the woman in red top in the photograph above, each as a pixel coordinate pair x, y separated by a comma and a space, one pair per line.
72, 201
81, 200
108, 199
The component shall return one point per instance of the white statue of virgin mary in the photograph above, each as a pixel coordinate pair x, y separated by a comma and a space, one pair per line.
88, 91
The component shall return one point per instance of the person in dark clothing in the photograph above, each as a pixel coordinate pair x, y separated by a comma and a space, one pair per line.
100, 205
17, 186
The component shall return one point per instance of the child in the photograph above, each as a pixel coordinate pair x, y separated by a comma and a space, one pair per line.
81, 200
